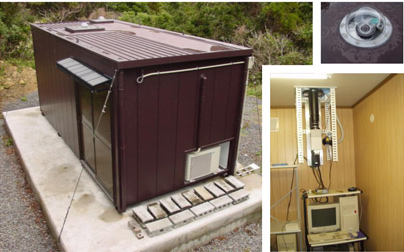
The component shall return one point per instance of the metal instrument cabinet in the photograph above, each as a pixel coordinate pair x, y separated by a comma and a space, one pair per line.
139, 149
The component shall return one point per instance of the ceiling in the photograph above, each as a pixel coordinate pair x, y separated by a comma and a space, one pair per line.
350, 88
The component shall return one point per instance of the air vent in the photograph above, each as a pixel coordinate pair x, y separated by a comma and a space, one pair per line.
366, 27
274, 124
83, 27
101, 20
202, 163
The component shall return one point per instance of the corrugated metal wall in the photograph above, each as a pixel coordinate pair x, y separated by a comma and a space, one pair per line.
161, 123
57, 94
160, 116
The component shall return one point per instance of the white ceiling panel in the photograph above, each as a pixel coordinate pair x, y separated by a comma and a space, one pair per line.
350, 88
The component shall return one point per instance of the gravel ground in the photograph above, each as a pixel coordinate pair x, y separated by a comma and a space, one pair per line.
249, 237
22, 223
32, 101
250, 138
244, 239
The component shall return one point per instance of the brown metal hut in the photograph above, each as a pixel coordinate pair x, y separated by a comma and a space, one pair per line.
173, 114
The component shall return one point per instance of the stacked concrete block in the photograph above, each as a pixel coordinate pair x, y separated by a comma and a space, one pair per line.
221, 202
169, 206
214, 190
224, 186
159, 227
203, 193
202, 210
247, 170
182, 208
192, 197
182, 218
237, 184
156, 210
142, 215
239, 196
181, 201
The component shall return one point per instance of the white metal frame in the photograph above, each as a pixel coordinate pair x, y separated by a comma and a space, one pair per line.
299, 119
330, 124
296, 189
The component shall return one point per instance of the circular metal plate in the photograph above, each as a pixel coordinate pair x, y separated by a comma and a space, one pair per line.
366, 28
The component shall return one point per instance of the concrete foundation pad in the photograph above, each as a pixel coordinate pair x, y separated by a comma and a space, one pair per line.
93, 223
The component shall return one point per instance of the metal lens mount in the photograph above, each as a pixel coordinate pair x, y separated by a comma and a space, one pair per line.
366, 28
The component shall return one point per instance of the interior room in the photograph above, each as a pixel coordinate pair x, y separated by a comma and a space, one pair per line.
368, 161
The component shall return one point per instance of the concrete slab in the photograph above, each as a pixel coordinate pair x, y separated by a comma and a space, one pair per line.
234, 182
213, 189
93, 223
203, 193
143, 216
224, 186
181, 201
156, 210
169, 205
192, 197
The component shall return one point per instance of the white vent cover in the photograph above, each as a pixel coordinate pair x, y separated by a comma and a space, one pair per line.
274, 124
200, 164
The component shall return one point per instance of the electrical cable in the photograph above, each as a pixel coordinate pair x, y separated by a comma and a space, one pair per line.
274, 245
320, 182
315, 176
360, 204
290, 195
321, 178
329, 175
341, 128
290, 200
283, 236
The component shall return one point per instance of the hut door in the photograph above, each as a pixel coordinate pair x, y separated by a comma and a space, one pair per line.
96, 135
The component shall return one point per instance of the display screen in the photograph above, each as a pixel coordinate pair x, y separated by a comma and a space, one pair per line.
324, 217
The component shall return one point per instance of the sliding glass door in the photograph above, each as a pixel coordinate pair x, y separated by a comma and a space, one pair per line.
96, 132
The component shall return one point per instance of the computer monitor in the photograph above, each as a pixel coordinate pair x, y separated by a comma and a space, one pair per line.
323, 217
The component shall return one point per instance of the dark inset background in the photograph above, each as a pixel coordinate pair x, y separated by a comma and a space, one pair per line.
334, 49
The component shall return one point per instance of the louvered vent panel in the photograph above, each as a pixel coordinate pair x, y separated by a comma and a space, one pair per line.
200, 164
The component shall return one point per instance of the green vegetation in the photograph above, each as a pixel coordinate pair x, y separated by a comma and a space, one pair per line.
2, 69
15, 36
8, 142
23, 98
280, 33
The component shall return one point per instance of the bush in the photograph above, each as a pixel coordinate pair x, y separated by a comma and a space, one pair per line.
15, 35
270, 48
279, 33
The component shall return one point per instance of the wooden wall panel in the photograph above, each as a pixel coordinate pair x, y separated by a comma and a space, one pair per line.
379, 158
284, 149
